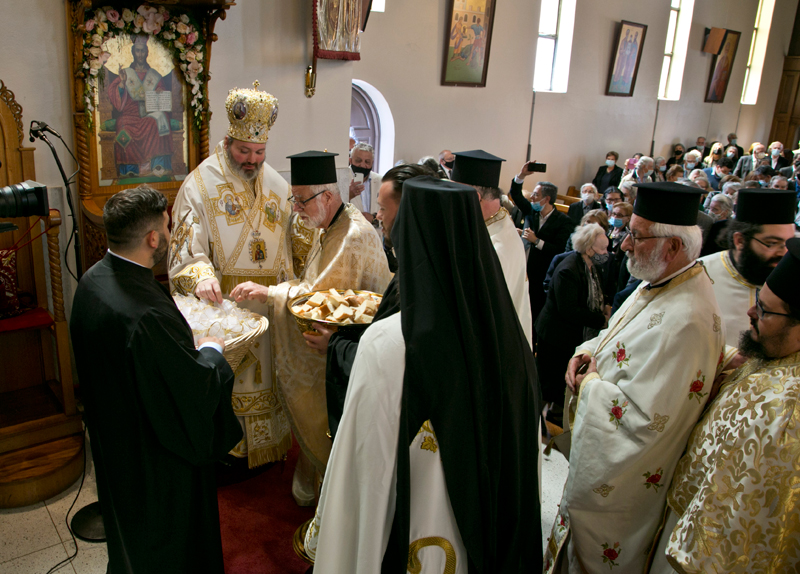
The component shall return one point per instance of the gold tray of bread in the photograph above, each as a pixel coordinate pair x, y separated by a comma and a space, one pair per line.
340, 309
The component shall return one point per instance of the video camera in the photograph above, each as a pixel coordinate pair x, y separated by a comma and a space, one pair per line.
22, 200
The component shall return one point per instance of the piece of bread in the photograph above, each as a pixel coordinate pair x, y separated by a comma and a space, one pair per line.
341, 312
316, 300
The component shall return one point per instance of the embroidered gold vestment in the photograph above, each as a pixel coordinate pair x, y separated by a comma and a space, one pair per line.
348, 255
236, 231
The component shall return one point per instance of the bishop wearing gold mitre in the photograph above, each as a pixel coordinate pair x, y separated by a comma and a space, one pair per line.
346, 253
230, 224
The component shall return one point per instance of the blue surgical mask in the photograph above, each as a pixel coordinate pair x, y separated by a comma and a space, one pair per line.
733, 141
776, 152
662, 168
730, 154
690, 165
616, 222
610, 162
536, 206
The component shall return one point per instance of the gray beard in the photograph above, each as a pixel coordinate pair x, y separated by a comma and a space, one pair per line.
650, 269
320, 218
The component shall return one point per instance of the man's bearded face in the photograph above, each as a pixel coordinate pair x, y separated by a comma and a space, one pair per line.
244, 158
648, 266
753, 266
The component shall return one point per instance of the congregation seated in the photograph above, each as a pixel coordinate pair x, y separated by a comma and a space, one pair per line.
660, 169
714, 156
612, 195
609, 174
643, 172
588, 203
674, 172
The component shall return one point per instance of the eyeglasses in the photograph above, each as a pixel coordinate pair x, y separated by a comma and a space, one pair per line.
760, 311
771, 245
302, 202
634, 239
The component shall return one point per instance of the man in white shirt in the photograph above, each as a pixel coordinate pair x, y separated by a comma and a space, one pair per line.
365, 183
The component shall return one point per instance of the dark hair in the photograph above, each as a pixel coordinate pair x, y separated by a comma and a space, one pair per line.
613, 189
400, 173
734, 226
433, 165
765, 170
549, 190
725, 162
131, 214
488, 192
615, 154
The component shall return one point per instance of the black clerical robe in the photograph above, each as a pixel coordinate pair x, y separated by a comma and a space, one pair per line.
159, 414
342, 349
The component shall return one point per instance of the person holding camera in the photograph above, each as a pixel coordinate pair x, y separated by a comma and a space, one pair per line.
545, 234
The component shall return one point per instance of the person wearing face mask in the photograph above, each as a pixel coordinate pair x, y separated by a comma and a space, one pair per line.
776, 159
691, 161
546, 232
612, 196
732, 152
587, 203
700, 147
575, 311
748, 163
609, 174
447, 161
733, 142
643, 172
660, 170
677, 155
364, 195
714, 155
720, 210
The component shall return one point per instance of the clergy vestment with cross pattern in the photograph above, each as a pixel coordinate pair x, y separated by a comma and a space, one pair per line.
630, 422
237, 231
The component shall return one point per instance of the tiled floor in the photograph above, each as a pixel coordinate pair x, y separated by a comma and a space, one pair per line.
35, 538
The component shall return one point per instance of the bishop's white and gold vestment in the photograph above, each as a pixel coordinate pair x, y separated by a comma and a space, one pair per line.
511, 253
735, 295
630, 421
348, 255
735, 497
225, 227
353, 521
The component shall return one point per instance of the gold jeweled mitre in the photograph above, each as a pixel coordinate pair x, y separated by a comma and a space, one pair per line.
250, 114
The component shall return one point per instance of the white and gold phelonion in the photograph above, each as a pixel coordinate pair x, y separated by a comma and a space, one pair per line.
226, 320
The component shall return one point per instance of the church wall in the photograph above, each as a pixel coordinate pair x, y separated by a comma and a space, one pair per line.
402, 57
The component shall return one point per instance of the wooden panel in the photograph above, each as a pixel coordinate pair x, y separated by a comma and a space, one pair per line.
28, 404
39, 431
786, 92
19, 374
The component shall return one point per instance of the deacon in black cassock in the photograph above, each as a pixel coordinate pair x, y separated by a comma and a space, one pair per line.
158, 411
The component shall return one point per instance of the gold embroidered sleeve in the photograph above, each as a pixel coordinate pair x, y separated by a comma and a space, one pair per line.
185, 282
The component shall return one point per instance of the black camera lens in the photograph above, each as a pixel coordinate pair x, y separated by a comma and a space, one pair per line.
23, 200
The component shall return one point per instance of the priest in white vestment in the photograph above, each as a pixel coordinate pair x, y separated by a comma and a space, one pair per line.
734, 503
648, 377
230, 224
433, 466
481, 170
757, 241
346, 253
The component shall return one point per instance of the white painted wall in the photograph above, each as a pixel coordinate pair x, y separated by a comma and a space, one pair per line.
402, 57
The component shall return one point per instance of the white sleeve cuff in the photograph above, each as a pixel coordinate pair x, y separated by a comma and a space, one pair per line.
539, 245
214, 346
518, 180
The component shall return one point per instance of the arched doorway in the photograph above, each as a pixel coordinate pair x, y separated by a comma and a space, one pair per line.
371, 121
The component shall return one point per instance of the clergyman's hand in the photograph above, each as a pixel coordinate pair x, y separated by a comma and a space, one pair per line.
574, 366
319, 342
248, 291
582, 375
209, 290
216, 340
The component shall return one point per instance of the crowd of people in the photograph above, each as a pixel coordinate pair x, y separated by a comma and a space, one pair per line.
654, 324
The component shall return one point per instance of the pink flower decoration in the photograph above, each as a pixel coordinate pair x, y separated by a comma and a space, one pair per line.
191, 38
194, 69
112, 15
89, 25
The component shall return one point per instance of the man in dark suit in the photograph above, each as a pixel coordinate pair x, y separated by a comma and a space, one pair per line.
701, 147
776, 159
587, 203
748, 163
733, 141
546, 232
158, 410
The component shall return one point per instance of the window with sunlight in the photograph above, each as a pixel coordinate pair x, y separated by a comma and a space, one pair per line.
758, 51
554, 47
680, 22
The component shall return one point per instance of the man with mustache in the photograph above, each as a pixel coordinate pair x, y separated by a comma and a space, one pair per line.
734, 505
756, 242
250, 242
646, 380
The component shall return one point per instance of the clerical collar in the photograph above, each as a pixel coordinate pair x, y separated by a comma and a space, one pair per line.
673, 276
499, 214
336, 216
126, 259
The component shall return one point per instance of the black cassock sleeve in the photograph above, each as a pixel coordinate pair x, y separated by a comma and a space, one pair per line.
185, 393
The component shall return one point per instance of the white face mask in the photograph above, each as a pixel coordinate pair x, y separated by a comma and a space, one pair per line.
761, 155
610, 162
648, 173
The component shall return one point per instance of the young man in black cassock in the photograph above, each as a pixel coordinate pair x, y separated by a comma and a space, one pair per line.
158, 410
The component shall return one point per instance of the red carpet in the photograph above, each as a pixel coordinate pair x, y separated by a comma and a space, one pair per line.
258, 518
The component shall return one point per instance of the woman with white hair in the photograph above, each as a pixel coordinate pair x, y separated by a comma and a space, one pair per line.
692, 160
720, 209
574, 311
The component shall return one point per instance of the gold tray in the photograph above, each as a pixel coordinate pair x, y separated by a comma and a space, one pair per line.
305, 324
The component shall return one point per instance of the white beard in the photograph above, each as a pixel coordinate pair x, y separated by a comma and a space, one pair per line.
651, 269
